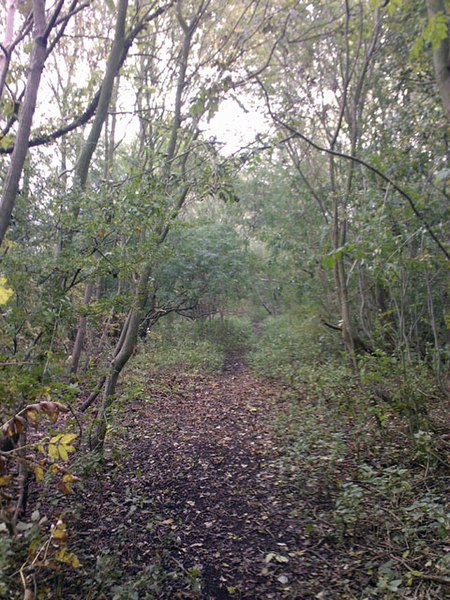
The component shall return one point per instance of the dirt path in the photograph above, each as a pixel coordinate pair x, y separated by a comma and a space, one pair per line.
195, 506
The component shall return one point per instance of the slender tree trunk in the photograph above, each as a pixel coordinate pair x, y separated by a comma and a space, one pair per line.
113, 65
88, 149
5, 55
123, 352
81, 331
130, 331
441, 57
340, 279
38, 56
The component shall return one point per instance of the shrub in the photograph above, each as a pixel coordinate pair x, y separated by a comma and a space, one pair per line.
392, 384
195, 345
181, 352
287, 343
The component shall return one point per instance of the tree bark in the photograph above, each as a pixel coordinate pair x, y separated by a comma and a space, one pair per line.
5, 55
81, 331
38, 56
130, 332
113, 65
122, 354
441, 56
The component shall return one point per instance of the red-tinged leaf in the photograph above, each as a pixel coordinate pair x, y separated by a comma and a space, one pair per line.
50, 409
32, 413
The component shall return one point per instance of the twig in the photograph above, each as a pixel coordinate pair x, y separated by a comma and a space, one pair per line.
424, 576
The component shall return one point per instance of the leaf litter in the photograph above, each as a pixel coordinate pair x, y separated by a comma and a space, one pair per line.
193, 503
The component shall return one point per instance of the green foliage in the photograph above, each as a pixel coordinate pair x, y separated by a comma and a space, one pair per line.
384, 385
382, 507
181, 350
200, 345
228, 334
349, 506
384, 500
31, 537
190, 356
111, 579
333, 382
394, 384
313, 442
274, 252
434, 33
287, 343
206, 263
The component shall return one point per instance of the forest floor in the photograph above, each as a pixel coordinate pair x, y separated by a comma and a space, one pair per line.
193, 502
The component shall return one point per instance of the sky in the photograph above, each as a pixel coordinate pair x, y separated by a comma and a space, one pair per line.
236, 126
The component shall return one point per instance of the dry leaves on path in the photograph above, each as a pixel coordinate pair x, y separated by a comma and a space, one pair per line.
195, 506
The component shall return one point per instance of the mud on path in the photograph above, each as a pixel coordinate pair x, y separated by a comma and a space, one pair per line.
193, 504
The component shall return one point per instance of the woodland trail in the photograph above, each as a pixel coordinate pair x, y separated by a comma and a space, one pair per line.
194, 505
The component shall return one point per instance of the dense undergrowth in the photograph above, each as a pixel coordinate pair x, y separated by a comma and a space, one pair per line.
370, 448
368, 452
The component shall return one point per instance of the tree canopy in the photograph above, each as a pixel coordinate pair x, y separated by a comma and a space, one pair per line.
121, 208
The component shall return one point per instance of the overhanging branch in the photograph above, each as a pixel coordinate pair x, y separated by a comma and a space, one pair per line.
84, 118
294, 131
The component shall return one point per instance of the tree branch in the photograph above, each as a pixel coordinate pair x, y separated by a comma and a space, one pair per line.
359, 161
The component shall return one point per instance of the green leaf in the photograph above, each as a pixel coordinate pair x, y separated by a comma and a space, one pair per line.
436, 30
328, 261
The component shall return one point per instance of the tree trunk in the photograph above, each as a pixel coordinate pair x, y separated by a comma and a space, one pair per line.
441, 57
5, 54
84, 160
38, 56
81, 331
122, 354
130, 331
113, 65
338, 240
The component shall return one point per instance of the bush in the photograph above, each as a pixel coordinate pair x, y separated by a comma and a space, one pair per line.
286, 343
188, 356
395, 385
177, 346
195, 345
